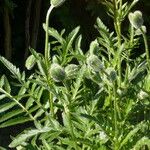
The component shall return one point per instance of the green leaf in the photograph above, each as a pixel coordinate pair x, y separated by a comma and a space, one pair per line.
131, 134
6, 85
26, 135
15, 121
69, 42
13, 69
10, 114
54, 33
6, 106
142, 142
2, 96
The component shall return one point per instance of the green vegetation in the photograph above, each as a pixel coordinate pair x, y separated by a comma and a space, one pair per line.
98, 100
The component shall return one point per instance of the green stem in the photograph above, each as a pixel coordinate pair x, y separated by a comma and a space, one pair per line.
131, 35
128, 53
71, 127
146, 48
117, 24
115, 120
47, 36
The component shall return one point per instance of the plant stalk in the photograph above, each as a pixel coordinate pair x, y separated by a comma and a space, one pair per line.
47, 53
71, 128
117, 25
115, 120
146, 48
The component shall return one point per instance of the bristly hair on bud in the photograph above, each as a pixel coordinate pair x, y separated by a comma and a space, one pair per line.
136, 19
57, 72
71, 71
57, 3
30, 62
94, 63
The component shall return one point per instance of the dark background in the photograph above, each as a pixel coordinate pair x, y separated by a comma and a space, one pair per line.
21, 27
21, 23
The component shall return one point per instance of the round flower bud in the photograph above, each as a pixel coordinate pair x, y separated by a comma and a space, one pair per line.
94, 63
57, 3
136, 19
57, 72
71, 71
112, 75
30, 62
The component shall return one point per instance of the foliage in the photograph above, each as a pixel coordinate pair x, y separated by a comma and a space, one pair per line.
101, 103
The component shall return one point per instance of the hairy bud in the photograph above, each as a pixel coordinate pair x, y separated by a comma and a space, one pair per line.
30, 62
57, 3
112, 75
71, 71
136, 19
94, 63
57, 72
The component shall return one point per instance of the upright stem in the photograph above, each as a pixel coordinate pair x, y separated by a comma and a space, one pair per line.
46, 35
115, 120
47, 56
146, 48
71, 128
117, 24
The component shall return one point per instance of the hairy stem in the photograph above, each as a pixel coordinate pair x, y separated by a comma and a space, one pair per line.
115, 120
146, 48
46, 35
71, 128
117, 25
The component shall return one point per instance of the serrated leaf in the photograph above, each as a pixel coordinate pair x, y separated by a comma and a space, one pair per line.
54, 33
2, 96
10, 114
6, 106
2, 81
13, 69
29, 103
69, 42
142, 142
130, 135
27, 134
15, 121
6, 86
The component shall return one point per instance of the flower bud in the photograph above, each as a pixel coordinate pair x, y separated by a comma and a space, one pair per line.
94, 63
71, 71
30, 62
57, 72
57, 3
112, 75
136, 19
139, 32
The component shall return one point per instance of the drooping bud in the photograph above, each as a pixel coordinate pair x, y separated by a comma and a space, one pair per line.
94, 63
139, 32
30, 62
112, 75
71, 71
57, 72
57, 3
136, 19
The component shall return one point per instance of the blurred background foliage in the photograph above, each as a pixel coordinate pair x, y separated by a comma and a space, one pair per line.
21, 26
